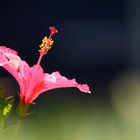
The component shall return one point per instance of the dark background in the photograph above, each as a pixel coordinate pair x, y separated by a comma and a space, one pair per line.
92, 43
98, 44
97, 39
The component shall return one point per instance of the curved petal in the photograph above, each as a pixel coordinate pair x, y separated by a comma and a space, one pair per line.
37, 90
23, 72
33, 81
56, 80
37, 74
4, 49
3, 59
10, 57
53, 81
10, 61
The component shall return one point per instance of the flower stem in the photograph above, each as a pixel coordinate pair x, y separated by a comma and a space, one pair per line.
22, 110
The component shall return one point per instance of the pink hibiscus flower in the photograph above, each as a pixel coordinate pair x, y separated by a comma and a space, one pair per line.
32, 80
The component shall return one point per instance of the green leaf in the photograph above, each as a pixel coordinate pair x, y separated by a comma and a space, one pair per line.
6, 105
7, 109
2, 100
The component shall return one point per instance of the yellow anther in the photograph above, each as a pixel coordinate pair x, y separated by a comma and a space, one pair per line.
46, 45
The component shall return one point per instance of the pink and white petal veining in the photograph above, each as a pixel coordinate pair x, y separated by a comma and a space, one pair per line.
10, 61
10, 65
24, 70
56, 80
37, 90
9, 56
3, 59
4, 49
53, 81
36, 76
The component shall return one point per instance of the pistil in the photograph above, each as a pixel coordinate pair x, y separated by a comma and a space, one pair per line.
46, 44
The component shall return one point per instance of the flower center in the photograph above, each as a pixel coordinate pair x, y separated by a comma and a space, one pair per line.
46, 44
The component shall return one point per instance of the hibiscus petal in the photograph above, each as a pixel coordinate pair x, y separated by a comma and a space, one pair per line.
4, 49
3, 59
37, 90
10, 61
10, 56
24, 70
56, 80
33, 81
37, 74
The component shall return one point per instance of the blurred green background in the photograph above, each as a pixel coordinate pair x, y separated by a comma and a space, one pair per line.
68, 114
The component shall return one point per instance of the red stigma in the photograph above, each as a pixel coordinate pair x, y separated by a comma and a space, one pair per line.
53, 31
